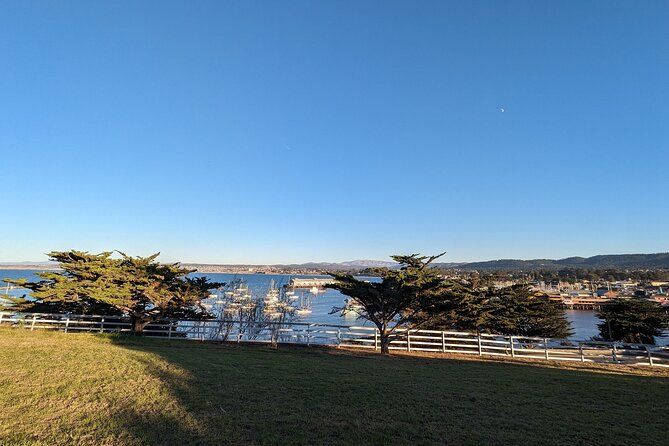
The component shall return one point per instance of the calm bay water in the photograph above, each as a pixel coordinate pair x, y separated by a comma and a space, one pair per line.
584, 322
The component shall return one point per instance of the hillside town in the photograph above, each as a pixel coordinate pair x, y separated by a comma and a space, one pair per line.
593, 295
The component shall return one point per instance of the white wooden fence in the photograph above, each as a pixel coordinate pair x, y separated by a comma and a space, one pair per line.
355, 337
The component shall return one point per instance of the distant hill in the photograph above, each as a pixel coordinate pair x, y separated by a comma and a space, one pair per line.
630, 261
368, 264
29, 265
619, 261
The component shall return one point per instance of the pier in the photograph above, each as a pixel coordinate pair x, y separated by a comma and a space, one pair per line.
585, 303
318, 282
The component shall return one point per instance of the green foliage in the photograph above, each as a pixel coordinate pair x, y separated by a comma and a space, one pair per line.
459, 307
139, 287
632, 320
516, 311
511, 311
400, 295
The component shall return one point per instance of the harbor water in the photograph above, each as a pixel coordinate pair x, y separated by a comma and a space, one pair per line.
583, 322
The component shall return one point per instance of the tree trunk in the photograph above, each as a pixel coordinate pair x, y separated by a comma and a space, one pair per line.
385, 342
138, 325
273, 341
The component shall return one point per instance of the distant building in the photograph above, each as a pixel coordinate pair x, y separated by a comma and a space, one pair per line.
659, 283
662, 299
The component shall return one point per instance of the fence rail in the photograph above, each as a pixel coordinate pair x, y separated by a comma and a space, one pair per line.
355, 337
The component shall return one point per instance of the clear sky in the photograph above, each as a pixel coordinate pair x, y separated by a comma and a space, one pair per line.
290, 131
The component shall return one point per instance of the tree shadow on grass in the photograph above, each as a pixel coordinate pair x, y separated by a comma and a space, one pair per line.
228, 394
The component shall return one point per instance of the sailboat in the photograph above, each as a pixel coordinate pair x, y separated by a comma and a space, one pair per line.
305, 305
272, 296
303, 311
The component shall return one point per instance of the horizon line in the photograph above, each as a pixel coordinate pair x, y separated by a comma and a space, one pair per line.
38, 262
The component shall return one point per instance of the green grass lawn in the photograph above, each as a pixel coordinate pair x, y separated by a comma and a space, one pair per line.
60, 388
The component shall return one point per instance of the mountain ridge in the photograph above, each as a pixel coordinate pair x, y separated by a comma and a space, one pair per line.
633, 261
627, 261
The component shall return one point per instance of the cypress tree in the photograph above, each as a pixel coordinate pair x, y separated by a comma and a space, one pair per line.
398, 298
514, 311
632, 320
138, 287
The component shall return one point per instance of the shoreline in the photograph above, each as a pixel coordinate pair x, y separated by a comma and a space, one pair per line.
205, 270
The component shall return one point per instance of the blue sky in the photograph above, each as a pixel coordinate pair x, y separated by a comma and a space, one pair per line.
236, 131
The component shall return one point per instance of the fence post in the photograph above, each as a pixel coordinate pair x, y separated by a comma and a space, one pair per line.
408, 339
67, 323
513, 352
546, 347
169, 330
480, 347
580, 350
338, 337
308, 335
650, 356
614, 353
443, 342
32, 326
102, 325
1, 314
376, 339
